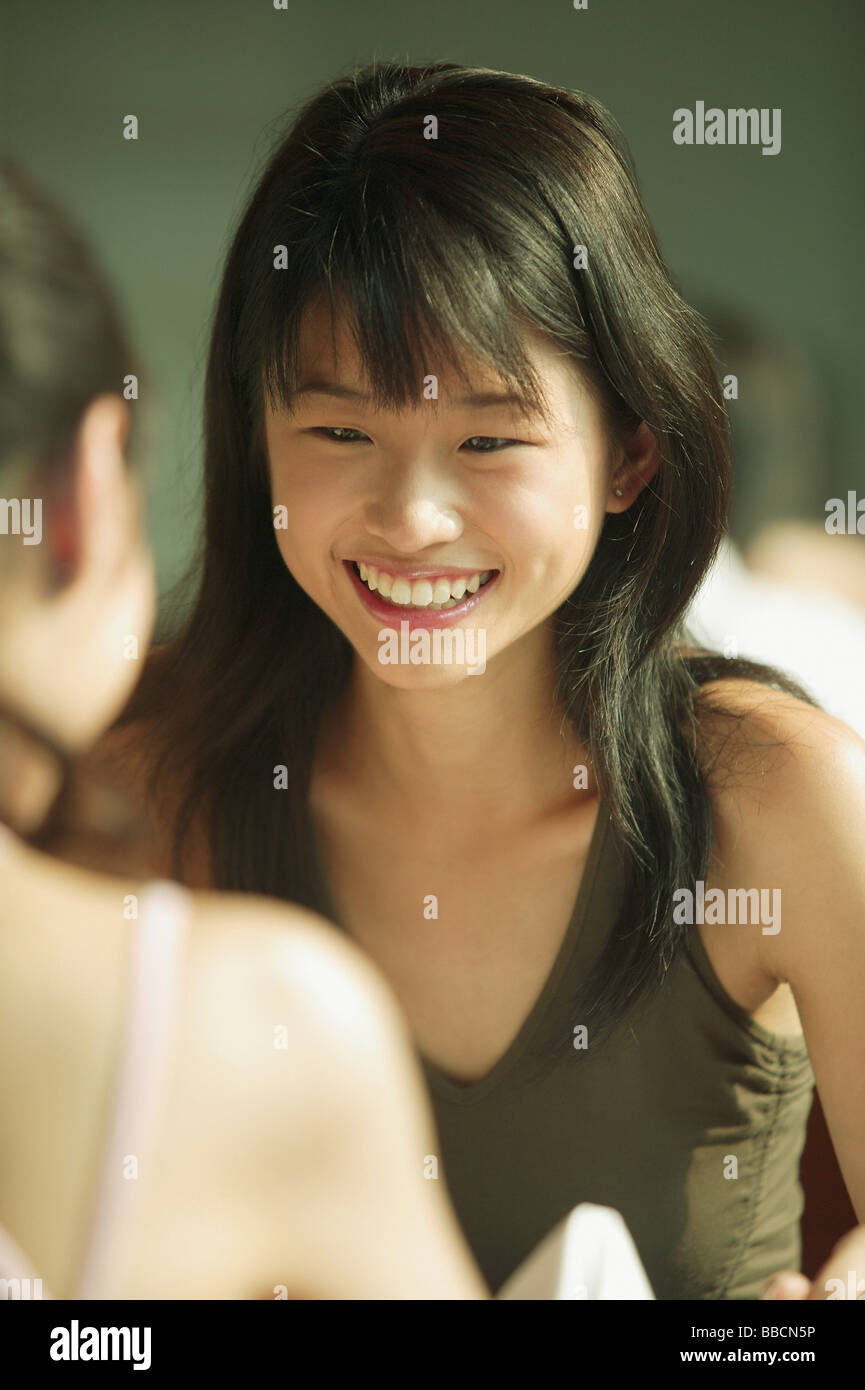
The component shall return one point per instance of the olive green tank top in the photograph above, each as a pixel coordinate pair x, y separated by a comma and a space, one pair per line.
690, 1121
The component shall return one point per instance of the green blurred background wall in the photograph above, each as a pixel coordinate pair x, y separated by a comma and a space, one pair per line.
774, 238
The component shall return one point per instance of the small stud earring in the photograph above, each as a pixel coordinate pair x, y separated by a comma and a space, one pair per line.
617, 491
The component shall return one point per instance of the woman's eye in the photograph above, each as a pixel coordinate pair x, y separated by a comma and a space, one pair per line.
335, 433
489, 439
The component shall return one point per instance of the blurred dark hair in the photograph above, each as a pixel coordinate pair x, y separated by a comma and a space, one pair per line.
62, 344
444, 250
62, 340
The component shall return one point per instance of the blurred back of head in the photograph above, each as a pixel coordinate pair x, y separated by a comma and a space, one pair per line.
77, 590
62, 341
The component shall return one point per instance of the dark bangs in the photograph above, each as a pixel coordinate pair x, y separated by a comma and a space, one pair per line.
429, 263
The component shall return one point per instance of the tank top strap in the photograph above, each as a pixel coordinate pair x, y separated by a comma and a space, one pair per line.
149, 1028
530, 1055
595, 913
604, 884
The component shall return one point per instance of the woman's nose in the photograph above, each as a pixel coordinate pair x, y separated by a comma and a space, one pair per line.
411, 514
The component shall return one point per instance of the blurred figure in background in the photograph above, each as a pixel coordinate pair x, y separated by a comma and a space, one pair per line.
784, 590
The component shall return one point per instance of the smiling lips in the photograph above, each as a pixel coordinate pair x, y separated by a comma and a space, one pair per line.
434, 593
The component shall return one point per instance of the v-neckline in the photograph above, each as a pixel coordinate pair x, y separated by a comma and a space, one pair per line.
573, 950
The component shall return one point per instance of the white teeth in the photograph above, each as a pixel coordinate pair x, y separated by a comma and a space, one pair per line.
421, 593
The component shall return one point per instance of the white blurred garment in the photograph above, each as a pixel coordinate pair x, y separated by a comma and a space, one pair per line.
814, 635
590, 1254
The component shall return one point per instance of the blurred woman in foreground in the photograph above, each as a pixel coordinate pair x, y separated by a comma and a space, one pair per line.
203, 1096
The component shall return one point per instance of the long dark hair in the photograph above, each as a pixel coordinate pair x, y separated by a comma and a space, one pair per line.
428, 244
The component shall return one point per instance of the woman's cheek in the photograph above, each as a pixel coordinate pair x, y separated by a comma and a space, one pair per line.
568, 545
294, 549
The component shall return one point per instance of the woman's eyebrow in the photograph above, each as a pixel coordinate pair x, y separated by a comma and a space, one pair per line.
478, 399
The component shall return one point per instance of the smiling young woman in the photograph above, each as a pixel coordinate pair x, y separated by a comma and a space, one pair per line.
507, 848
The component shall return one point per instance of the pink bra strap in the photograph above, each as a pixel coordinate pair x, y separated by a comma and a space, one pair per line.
150, 1024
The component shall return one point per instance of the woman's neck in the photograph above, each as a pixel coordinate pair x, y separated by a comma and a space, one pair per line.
31, 775
490, 749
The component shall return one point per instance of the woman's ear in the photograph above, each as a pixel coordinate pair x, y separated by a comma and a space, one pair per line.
87, 512
60, 529
636, 463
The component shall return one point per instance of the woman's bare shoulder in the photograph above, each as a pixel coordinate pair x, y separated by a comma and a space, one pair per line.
292, 953
786, 780
757, 736
308, 1035
288, 1059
